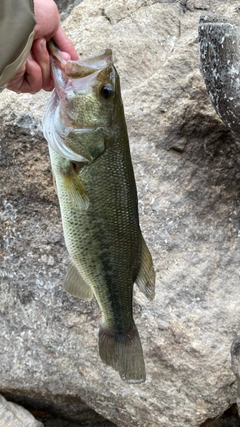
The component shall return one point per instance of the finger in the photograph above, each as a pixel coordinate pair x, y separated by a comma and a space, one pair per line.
65, 55
41, 56
64, 43
28, 79
33, 76
16, 82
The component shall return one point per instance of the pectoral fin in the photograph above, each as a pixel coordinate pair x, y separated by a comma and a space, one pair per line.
76, 191
146, 276
75, 285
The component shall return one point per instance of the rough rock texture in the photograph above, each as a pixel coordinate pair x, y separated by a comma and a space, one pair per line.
229, 418
12, 415
219, 46
66, 6
187, 170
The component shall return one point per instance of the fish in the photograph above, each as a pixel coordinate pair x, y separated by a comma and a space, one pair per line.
219, 46
87, 136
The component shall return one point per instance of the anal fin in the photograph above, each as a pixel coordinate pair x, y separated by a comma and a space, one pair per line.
75, 285
146, 276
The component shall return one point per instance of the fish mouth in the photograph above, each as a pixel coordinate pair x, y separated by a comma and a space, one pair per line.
83, 66
77, 75
71, 78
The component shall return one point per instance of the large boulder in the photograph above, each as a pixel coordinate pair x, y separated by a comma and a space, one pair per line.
186, 164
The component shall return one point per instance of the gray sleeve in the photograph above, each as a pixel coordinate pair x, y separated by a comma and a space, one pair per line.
16, 35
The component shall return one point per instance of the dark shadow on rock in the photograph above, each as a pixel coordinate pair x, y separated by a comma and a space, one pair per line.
60, 411
230, 418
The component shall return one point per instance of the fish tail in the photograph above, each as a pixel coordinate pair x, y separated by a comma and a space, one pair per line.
123, 352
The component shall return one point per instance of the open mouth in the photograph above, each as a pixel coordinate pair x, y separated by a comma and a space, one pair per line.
77, 76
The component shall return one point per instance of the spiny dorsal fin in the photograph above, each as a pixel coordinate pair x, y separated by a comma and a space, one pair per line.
146, 276
75, 285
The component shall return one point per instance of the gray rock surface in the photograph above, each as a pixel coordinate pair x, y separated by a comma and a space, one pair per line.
187, 170
66, 6
12, 415
230, 418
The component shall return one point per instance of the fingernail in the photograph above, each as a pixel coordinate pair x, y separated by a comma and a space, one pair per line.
65, 56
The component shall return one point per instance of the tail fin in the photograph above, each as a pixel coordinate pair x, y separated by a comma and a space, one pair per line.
123, 353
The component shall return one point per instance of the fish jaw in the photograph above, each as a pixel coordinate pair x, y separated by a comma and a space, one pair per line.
66, 112
77, 75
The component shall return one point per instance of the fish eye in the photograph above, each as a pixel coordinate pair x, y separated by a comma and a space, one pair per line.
107, 91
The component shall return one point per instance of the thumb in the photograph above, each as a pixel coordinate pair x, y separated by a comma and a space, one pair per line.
64, 43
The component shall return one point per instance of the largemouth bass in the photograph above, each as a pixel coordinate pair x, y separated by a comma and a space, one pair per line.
85, 127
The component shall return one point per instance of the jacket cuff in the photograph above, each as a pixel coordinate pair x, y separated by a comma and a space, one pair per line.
16, 35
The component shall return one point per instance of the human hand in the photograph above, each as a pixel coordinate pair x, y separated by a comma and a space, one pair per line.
35, 74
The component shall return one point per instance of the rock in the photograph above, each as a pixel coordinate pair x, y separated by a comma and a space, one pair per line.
12, 415
223, 423
65, 7
235, 359
219, 57
229, 419
186, 163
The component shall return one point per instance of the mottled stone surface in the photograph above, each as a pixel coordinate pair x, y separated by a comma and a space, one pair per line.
12, 415
219, 46
66, 6
230, 418
187, 170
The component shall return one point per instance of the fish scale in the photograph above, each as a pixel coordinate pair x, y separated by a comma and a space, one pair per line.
94, 180
112, 241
